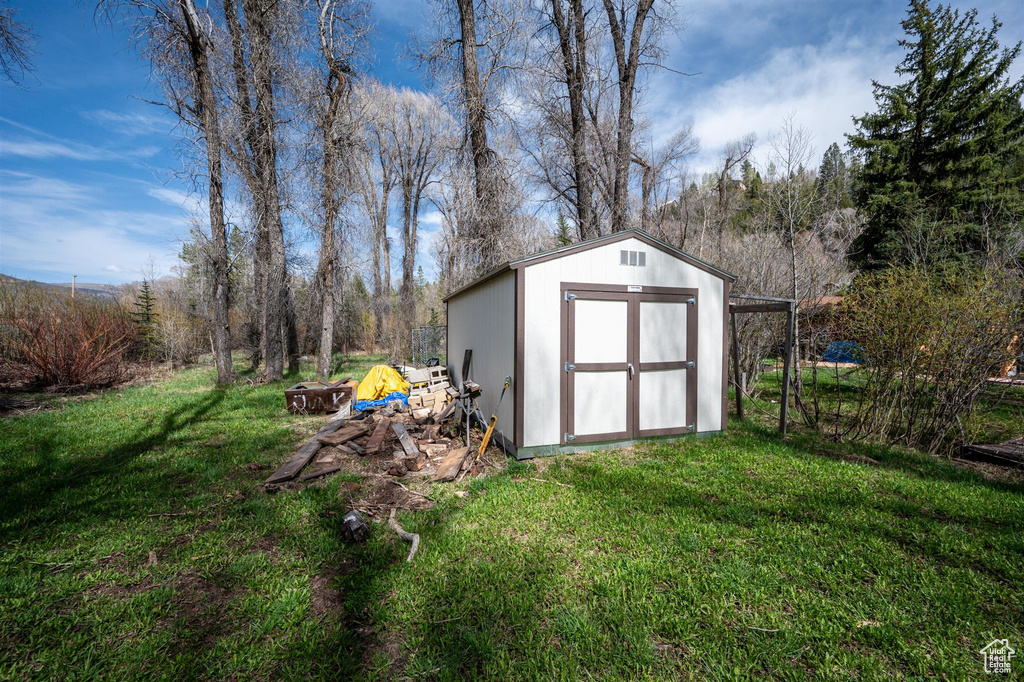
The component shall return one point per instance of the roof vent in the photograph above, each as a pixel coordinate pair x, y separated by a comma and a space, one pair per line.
634, 258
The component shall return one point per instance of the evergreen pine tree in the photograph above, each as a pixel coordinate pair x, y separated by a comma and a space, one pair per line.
833, 182
562, 234
144, 317
939, 150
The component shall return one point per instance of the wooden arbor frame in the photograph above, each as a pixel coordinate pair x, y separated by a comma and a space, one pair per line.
763, 304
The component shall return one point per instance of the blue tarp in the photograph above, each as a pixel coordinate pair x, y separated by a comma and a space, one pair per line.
397, 395
844, 351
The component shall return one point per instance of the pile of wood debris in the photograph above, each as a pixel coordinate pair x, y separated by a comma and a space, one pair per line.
390, 443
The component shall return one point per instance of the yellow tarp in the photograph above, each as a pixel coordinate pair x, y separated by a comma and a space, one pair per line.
381, 381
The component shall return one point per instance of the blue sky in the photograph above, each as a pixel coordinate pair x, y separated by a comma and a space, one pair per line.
89, 181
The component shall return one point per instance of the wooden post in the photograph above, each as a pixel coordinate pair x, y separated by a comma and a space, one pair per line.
736, 366
784, 412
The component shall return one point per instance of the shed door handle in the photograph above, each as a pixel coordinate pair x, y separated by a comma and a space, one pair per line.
629, 366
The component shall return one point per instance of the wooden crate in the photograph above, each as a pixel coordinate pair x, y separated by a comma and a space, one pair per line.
318, 396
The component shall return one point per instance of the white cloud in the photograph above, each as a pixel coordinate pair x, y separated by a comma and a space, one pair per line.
189, 203
38, 149
129, 124
56, 228
822, 86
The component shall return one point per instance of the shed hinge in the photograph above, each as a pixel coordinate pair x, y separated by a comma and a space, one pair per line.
691, 300
568, 367
569, 437
569, 296
690, 363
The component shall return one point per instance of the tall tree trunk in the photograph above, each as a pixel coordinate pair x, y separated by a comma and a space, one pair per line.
247, 161
326, 270
627, 60
258, 14
206, 100
291, 331
572, 41
476, 117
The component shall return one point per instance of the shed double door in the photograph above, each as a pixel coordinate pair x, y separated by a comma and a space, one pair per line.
628, 362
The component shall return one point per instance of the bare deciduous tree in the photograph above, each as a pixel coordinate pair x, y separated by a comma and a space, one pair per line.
175, 38
339, 25
418, 130
15, 45
632, 38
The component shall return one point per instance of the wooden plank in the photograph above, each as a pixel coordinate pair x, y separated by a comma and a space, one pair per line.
317, 474
403, 437
291, 468
345, 434
377, 439
452, 465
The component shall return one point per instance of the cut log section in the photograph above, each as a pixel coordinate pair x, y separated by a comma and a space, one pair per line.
452, 465
302, 456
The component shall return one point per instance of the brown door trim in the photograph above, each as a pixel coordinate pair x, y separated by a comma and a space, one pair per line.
678, 295
591, 292
612, 292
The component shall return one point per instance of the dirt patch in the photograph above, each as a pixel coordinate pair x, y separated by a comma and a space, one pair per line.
268, 545
326, 602
378, 495
200, 602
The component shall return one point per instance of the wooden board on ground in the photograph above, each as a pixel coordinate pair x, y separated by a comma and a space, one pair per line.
452, 465
297, 461
317, 474
403, 437
345, 434
377, 439
1010, 453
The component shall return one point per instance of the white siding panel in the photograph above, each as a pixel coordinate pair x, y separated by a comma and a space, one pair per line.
662, 331
600, 402
662, 399
601, 331
483, 319
542, 366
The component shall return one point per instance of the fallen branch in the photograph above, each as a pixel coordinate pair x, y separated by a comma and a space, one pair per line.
544, 480
408, 537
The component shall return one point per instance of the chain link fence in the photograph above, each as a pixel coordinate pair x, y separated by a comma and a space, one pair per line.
429, 342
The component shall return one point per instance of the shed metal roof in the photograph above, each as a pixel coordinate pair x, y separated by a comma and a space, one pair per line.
590, 244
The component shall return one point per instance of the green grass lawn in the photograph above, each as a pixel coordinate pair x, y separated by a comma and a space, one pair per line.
728, 557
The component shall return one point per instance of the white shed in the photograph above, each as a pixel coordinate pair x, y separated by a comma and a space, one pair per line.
607, 341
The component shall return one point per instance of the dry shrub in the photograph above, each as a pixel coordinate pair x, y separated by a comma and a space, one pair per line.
181, 337
49, 340
930, 342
